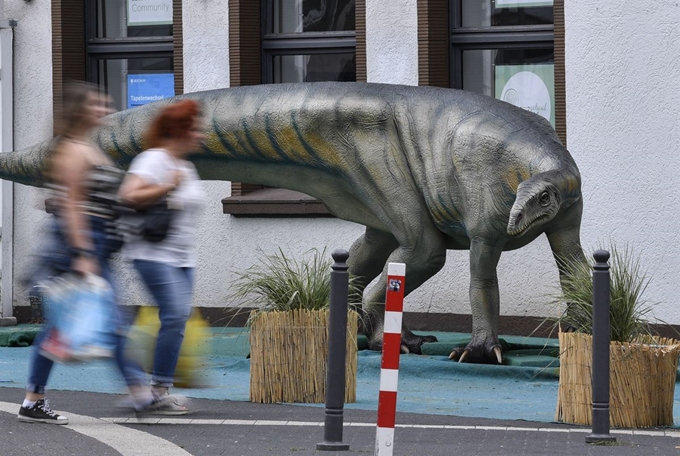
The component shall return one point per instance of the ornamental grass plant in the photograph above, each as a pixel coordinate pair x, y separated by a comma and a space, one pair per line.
289, 327
630, 312
279, 282
642, 366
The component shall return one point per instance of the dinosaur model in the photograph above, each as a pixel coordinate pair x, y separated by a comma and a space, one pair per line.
424, 169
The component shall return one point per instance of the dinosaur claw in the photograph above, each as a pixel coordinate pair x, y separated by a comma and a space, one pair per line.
499, 354
465, 354
453, 355
404, 349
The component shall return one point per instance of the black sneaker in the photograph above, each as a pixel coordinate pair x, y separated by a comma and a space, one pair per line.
40, 412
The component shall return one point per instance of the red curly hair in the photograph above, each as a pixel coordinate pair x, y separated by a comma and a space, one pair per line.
173, 122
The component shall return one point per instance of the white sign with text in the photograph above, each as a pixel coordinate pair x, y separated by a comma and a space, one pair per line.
149, 12
522, 3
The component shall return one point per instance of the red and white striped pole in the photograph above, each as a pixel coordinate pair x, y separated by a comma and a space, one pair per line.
389, 368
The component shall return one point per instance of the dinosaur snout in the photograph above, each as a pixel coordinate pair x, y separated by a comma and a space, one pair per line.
515, 223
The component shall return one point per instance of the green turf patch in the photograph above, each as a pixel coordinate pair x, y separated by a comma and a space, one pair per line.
18, 336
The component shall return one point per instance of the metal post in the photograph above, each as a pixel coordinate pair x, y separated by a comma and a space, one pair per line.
337, 351
601, 338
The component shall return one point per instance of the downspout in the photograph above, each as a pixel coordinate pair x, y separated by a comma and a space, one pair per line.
7, 187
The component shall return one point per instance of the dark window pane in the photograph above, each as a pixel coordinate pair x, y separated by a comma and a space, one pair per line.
488, 13
118, 19
125, 80
314, 67
523, 77
298, 16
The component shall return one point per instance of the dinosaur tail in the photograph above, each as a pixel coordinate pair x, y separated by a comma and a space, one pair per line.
26, 166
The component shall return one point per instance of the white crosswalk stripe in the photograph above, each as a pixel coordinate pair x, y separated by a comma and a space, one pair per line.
128, 442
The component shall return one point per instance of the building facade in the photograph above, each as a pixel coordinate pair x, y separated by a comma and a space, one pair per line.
602, 74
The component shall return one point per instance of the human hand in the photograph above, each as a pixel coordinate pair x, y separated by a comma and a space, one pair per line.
178, 177
84, 265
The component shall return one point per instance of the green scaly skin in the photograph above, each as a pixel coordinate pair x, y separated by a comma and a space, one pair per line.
423, 169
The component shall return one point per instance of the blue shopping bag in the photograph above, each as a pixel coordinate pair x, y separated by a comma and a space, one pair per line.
80, 312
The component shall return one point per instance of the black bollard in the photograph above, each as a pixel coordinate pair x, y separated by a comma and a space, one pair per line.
337, 351
601, 338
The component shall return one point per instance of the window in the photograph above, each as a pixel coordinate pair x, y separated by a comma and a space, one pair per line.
296, 41
308, 40
130, 49
508, 49
504, 49
110, 43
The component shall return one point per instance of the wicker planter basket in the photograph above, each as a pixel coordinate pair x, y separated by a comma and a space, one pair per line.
288, 356
641, 385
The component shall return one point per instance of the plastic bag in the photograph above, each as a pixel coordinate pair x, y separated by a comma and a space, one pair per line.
80, 312
141, 344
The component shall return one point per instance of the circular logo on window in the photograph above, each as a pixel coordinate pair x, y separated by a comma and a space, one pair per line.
527, 90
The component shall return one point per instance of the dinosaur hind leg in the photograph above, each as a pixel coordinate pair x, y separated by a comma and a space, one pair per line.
368, 255
423, 260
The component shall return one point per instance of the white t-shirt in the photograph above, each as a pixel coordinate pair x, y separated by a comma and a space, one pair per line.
178, 249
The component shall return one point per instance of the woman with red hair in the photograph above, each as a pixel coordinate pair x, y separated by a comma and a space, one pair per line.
167, 265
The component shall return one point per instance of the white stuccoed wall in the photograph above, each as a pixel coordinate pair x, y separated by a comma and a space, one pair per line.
32, 118
392, 42
623, 128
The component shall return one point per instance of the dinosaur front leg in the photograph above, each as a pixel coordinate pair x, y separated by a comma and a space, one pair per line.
565, 240
565, 243
485, 303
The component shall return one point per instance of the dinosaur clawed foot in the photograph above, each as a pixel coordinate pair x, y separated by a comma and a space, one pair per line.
486, 351
410, 343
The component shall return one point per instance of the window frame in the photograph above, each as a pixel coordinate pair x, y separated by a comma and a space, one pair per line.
437, 60
311, 43
308, 43
245, 48
497, 37
97, 48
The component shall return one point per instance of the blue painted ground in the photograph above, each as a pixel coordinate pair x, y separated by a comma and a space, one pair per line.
427, 383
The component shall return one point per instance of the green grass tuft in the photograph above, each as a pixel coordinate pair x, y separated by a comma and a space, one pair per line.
629, 311
281, 283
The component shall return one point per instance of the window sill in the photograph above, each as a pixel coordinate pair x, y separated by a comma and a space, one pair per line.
274, 202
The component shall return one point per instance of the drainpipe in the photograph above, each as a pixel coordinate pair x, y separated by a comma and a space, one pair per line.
6, 187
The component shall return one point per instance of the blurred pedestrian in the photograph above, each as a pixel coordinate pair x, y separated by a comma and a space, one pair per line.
81, 237
162, 173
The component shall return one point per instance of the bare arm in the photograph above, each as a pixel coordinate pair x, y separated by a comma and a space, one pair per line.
139, 193
70, 165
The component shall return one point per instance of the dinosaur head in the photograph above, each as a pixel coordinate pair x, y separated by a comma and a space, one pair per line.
538, 201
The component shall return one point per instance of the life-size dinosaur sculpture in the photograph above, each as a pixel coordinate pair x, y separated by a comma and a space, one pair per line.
423, 169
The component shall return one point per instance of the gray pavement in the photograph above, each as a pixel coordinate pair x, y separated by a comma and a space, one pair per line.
219, 427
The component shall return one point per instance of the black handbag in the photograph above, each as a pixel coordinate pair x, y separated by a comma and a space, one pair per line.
156, 221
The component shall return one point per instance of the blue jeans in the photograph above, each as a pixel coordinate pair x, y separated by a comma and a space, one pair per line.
54, 259
171, 288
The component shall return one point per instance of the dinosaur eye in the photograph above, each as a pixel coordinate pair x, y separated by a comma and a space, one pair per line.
544, 199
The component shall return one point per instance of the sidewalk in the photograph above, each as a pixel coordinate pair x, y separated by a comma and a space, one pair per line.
443, 408
243, 428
